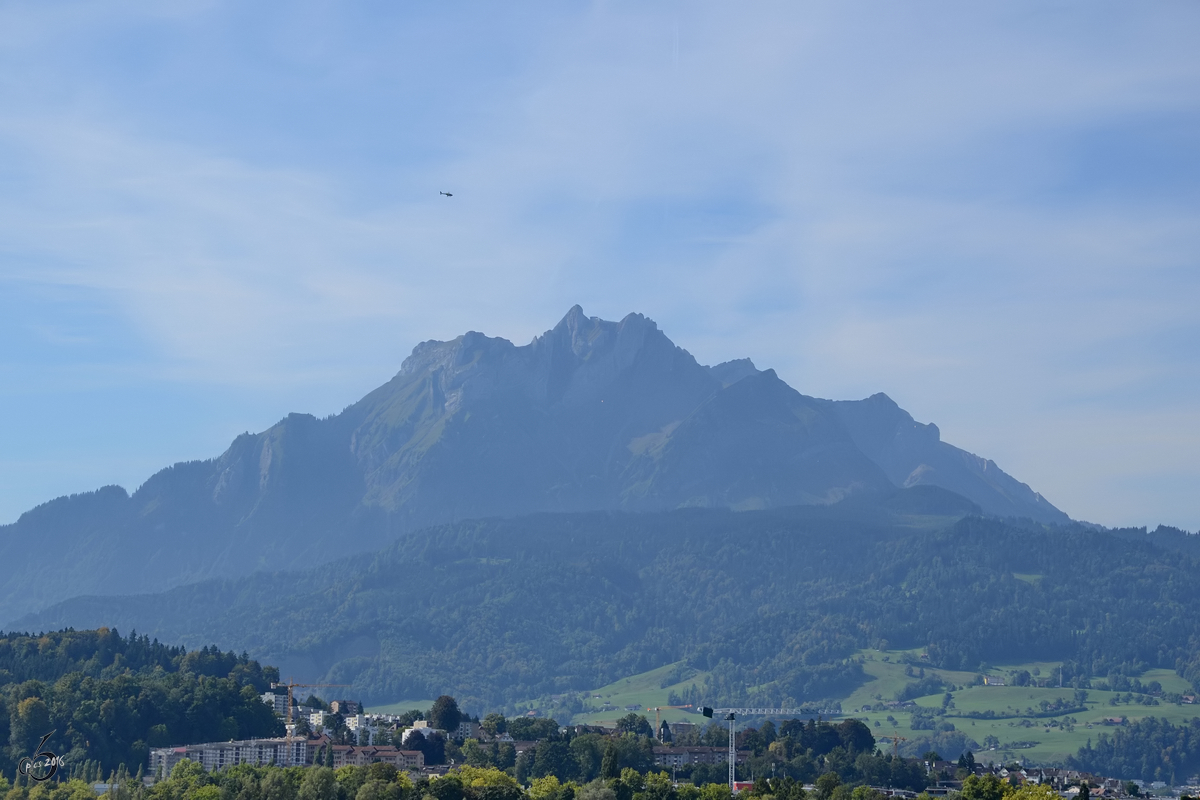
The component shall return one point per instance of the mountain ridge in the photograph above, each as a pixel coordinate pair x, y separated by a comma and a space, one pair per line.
590, 415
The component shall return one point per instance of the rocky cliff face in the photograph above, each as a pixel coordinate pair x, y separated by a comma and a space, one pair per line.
480, 426
591, 415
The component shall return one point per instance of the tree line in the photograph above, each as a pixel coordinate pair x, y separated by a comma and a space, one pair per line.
108, 699
1151, 749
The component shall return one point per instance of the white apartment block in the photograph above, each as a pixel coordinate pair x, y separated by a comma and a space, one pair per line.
215, 755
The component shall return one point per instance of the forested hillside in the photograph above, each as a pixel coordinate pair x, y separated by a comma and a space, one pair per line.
1150, 749
771, 605
108, 699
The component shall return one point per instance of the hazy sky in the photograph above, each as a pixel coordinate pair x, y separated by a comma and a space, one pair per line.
215, 213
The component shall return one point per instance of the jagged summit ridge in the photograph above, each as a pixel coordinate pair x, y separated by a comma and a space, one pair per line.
568, 363
590, 415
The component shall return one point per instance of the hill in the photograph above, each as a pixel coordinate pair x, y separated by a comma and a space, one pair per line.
107, 699
772, 606
592, 415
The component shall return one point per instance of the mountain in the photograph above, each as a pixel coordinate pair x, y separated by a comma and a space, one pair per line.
770, 606
591, 415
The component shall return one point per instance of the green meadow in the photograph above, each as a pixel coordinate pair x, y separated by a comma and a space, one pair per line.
400, 706
1021, 731
1010, 704
645, 690
1018, 727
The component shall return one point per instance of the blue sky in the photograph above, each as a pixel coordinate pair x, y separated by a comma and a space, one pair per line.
215, 213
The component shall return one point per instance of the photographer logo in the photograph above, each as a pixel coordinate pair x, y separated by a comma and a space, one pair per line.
42, 765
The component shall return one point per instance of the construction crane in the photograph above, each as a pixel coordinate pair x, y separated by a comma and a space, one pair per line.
774, 712
658, 718
288, 725
896, 740
731, 715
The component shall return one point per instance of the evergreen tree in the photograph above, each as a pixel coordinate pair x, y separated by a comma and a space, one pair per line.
610, 765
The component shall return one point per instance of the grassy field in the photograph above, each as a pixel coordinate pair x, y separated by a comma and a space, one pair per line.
1169, 680
886, 669
644, 690
1053, 742
1015, 705
400, 706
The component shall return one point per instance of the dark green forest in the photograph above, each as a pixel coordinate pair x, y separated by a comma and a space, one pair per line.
771, 604
109, 699
1150, 749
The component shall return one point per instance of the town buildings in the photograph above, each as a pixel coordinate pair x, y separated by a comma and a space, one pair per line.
685, 756
346, 708
277, 701
363, 755
215, 755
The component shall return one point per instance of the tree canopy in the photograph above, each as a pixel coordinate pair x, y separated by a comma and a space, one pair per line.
109, 699
444, 715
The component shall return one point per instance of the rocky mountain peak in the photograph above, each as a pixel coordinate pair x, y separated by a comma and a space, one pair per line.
591, 415
587, 337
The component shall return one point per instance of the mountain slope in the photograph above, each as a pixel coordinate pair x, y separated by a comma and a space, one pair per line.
770, 604
912, 454
757, 443
592, 415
